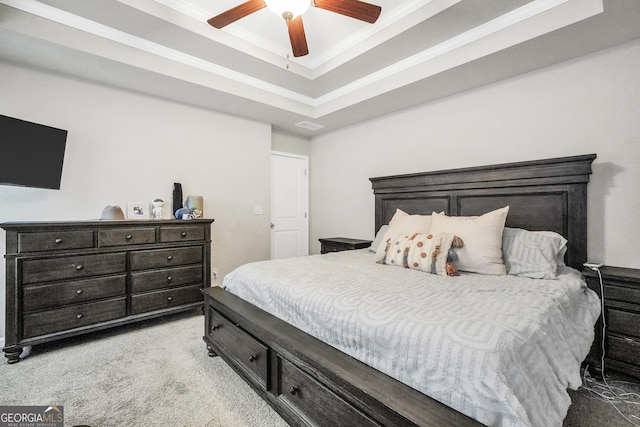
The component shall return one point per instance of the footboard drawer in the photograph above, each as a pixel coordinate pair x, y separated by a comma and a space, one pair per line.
248, 354
313, 401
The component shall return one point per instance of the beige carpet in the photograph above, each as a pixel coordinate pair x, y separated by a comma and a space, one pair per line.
159, 374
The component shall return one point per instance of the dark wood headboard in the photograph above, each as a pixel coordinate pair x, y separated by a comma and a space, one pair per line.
548, 194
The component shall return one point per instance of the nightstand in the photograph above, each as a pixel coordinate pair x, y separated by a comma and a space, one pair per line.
338, 244
622, 316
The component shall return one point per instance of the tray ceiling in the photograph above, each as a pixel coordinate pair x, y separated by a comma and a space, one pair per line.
418, 51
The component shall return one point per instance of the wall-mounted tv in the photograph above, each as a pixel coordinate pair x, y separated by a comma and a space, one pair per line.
31, 154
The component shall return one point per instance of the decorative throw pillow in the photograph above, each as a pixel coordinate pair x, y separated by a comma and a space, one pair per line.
425, 252
482, 236
403, 223
532, 254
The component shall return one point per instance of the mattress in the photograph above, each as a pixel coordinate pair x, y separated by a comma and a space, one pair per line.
500, 349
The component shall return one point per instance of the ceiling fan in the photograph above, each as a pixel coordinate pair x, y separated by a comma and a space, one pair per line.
292, 10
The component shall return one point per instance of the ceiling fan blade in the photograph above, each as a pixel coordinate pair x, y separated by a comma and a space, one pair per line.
238, 12
297, 37
354, 8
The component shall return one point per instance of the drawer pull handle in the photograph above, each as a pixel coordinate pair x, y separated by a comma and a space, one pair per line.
58, 241
293, 390
169, 279
79, 316
215, 328
129, 237
169, 299
79, 267
79, 292
169, 257
183, 234
253, 358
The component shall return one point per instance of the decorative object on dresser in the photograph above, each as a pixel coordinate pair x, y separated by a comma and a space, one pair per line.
138, 210
621, 319
69, 278
158, 209
196, 204
177, 198
112, 213
338, 244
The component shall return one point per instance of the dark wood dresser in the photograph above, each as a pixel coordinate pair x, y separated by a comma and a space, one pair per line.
338, 244
621, 318
70, 278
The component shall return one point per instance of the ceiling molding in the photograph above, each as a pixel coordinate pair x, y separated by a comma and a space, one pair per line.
423, 51
450, 53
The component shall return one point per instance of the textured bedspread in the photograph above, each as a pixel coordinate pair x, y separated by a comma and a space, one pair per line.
501, 349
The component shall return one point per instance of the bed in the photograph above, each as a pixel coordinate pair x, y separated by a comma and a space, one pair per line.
467, 350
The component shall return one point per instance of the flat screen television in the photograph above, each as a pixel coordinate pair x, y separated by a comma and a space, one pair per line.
31, 154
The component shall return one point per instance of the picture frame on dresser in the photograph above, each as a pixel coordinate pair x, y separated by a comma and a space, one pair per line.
138, 210
65, 279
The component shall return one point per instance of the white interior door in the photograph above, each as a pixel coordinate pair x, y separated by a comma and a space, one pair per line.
289, 205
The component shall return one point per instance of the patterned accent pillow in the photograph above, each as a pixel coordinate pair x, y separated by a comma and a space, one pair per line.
403, 223
532, 254
424, 252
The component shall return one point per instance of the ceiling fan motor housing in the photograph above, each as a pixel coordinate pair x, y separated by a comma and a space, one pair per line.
288, 9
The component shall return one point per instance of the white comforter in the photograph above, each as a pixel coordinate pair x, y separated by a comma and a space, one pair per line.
501, 349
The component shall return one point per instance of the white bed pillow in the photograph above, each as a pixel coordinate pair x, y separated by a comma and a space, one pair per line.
403, 223
533, 254
563, 248
379, 236
482, 237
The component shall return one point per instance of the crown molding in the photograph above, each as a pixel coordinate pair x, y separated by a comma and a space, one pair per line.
529, 21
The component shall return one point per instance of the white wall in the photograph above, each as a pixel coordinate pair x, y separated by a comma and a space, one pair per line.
588, 105
289, 143
125, 147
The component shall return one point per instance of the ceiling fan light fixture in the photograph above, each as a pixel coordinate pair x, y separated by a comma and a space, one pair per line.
286, 7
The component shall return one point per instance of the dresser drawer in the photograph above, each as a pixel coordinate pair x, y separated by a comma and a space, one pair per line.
624, 349
158, 258
181, 234
55, 241
305, 395
623, 322
620, 293
46, 322
39, 297
327, 248
45, 270
249, 354
168, 277
126, 236
169, 298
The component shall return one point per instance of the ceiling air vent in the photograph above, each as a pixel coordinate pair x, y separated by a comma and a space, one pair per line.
308, 125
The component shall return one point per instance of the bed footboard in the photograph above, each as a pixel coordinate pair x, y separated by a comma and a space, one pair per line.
307, 381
